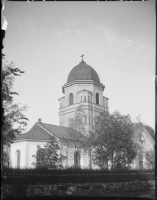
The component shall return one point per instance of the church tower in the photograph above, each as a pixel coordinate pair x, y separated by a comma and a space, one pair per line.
83, 88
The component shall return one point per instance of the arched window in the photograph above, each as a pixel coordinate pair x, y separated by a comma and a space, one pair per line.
77, 158
97, 98
71, 99
18, 156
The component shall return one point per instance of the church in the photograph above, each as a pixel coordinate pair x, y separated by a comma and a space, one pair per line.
83, 88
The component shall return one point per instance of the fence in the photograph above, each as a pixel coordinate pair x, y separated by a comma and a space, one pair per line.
74, 176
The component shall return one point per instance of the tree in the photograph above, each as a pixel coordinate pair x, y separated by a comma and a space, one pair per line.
13, 119
150, 158
49, 156
150, 130
112, 140
78, 122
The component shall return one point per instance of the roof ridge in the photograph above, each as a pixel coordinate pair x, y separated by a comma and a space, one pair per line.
60, 126
46, 131
52, 124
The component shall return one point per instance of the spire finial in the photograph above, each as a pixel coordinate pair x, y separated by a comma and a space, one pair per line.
39, 120
82, 58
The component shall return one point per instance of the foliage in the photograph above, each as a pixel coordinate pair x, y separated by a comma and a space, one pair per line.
78, 122
49, 157
112, 140
150, 130
150, 158
13, 120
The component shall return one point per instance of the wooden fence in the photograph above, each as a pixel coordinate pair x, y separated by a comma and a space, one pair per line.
75, 177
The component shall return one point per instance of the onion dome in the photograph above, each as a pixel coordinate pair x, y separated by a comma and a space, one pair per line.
82, 71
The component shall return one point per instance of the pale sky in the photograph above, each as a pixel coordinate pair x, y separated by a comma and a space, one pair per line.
46, 40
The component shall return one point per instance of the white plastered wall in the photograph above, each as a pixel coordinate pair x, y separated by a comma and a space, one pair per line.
148, 144
27, 149
32, 151
21, 146
68, 111
69, 152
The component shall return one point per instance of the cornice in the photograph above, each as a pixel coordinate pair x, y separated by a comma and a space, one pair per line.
90, 106
83, 105
61, 98
30, 140
106, 97
83, 82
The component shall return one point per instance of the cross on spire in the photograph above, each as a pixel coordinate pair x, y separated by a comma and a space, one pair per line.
82, 58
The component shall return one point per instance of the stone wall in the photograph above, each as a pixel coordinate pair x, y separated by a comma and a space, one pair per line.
98, 189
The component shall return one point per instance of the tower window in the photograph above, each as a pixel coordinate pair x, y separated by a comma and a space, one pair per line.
77, 159
71, 99
97, 98
84, 98
89, 98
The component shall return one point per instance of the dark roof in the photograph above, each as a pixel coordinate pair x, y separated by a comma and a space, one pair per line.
38, 133
63, 132
83, 72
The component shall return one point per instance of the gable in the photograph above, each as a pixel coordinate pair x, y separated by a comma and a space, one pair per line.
63, 132
37, 133
43, 131
141, 130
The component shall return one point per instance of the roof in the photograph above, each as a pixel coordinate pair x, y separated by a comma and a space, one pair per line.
82, 71
43, 131
36, 134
